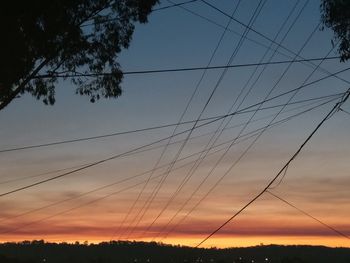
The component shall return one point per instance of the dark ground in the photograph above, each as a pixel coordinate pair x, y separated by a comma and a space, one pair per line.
125, 252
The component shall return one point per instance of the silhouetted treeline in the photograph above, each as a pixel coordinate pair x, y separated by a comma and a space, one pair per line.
132, 252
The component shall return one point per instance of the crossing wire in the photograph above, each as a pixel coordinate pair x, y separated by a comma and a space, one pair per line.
329, 114
174, 131
88, 165
184, 69
201, 158
153, 10
100, 136
179, 141
233, 55
345, 111
246, 137
139, 130
265, 37
251, 145
243, 138
142, 211
196, 190
213, 139
308, 214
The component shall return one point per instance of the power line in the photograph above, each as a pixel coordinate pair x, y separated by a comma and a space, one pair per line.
153, 10
100, 136
234, 53
88, 165
233, 31
226, 173
201, 158
94, 163
234, 103
70, 209
147, 129
178, 141
156, 147
293, 95
207, 150
223, 27
107, 135
246, 125
344, 111
256, 133
309, 76
281, 180
152, 195
243, 24
271, 90
308, 215
108, 185
174, 5
243, 138
330, 113
157, 189
241, 156
143, 129
166, 138
184, 69
253, 18
265, 37
38, 175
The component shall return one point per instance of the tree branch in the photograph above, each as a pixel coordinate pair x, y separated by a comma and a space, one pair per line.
21, 87
32, 75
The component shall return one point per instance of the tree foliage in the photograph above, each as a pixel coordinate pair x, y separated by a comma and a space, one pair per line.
57, 37
336, 15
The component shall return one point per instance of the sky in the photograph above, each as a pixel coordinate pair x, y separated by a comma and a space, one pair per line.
317, 181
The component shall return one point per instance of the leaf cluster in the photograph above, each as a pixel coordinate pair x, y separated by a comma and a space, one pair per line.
66, 36
336, 15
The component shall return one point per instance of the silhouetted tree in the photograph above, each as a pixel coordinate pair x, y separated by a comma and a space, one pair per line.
336, 15
142, 252
55, 37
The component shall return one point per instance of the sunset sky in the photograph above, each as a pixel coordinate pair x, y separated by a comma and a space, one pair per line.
317, 181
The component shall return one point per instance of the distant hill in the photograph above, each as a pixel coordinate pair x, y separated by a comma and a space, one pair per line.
138, 252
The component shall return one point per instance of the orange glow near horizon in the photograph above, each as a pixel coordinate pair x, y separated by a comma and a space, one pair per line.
217, 242
244, 233
268, 222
